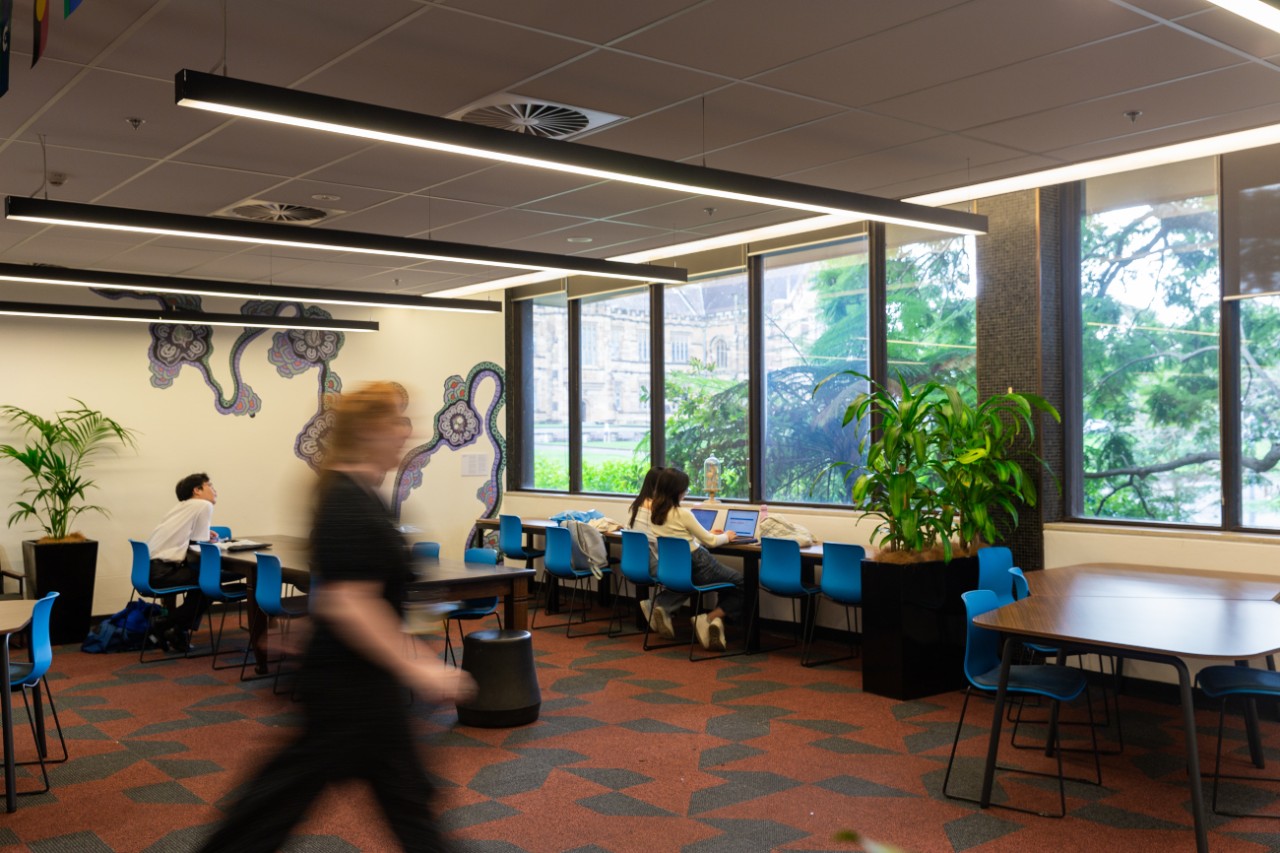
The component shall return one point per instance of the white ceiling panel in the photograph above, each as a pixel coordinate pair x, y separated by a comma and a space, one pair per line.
349, 199
962, 177
589, 20
500, 228
88, 173
30, 91
606, 199
1230, 28
59, 248
692, 212
164, 260
396, 168
245, 267
184, 188
510, 186
273, 149
620, 84
1242, 120
413, 215
938, 156
81, 38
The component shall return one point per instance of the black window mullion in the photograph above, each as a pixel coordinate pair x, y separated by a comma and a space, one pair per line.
877, 301
519, 417
657, 376
756, 409
575, 396
1072, 349
1229, 407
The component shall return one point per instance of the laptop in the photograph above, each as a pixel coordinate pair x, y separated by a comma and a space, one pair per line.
742, 522
243, 545
706, 517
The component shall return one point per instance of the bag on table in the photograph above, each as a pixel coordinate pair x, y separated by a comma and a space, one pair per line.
777, 527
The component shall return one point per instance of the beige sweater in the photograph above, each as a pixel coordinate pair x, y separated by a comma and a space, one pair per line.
681, 524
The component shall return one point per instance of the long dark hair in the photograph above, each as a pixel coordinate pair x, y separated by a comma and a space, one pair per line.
671, 486
646, 492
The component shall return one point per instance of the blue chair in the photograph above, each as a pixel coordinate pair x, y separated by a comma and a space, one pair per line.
982, 669
1222, 683
27, 676
558, 560
782, 574
633, 567
471, 608
841, 582
511, 540
994, 563
426, 550
224, 533
268, 594
212, 588
675, 572
140, 575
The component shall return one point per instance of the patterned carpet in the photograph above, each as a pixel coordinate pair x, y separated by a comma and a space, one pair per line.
634, 751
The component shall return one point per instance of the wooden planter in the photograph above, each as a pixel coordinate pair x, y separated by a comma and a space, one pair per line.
69, 569
913, 626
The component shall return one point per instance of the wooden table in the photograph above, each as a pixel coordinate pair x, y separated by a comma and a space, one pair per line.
1146, 613
14, 617
749, 554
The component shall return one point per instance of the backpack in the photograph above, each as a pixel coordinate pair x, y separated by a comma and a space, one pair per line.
777, 527
124, 631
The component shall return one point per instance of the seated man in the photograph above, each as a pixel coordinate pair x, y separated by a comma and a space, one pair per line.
173, 563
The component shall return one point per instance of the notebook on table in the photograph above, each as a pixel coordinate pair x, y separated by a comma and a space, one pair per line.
743, 523
243, 545
706, 517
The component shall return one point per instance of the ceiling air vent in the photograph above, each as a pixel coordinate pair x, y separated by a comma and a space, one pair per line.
275, 211
533, 116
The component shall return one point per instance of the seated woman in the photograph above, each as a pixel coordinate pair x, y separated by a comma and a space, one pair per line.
662, 515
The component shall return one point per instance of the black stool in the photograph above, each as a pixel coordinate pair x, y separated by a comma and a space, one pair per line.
507, 694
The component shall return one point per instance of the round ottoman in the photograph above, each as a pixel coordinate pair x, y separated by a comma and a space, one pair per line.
507, 694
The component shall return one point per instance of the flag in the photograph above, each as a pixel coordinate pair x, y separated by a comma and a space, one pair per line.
69, 6
6, 36
39, 29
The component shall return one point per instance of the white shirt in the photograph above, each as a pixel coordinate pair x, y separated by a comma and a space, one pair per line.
187, 522
679, 523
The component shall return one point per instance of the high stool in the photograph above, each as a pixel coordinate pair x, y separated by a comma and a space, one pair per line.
507, 694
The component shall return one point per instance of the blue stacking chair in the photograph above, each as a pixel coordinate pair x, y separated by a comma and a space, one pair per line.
1222, 683
675, 572
472, 608
224, 533
30, 675
841, 582
140, 575
982, 670
558, 560
782, 574
212, 588
511, 540
268, 594
994, 563
633, 567
426, 550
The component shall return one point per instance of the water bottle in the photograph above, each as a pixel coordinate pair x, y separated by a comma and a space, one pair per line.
764, 512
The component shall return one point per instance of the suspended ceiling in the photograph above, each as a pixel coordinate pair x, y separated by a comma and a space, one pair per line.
890, 98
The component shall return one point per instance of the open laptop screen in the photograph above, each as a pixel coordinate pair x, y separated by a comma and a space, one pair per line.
742, 522
706, 517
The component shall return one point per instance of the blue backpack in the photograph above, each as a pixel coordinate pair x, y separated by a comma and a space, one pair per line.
124, 631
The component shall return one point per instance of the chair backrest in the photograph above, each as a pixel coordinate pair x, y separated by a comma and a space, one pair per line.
635, 557
511, 535
41, 647
268, 585
982, 646
223, 532
210, 576
426, 550
842, 572
487, 556
994, 563
559, 556
1020, 588
780, 566
675, 564
140, 573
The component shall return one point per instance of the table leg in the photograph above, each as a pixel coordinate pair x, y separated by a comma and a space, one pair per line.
1251, 728
515, 605
1193, 754
6, 721
993, 746
750, 600
1054, 712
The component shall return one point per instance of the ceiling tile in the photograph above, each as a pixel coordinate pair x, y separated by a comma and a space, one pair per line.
245, 267
940, 155
501, 227
397, 168
331, 275
603, 234
584, 19
952, 44
962, 177
183, 188
760, 219
30, 90
1230, 28
511, 186
273, 149
602, 200
1170, 8
349, 199
620, 84
57, 246
163, 260
408, 215
691, 212
83, 37
404, 280
1199, 129
1132, 61
88, 173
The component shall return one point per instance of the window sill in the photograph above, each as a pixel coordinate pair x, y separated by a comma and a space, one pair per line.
1162, 532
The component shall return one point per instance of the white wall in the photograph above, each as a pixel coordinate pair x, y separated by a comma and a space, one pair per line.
263, 487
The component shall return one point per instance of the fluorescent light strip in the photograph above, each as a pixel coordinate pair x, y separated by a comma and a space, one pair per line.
67, 277
191, 318
244, 99
45, 212
1258, 11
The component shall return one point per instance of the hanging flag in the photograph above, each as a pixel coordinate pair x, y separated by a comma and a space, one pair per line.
6, 30
70, 6
39, 29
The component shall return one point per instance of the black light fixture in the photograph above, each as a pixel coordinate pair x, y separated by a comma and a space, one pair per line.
191, 318
274, 234
66, 276
245, 99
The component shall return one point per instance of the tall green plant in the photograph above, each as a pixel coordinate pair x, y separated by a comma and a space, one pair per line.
57, 452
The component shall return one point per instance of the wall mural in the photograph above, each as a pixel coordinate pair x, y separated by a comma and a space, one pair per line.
459, 424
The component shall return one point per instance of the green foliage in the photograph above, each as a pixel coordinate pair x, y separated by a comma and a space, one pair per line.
613, 476
57, 454
707, 415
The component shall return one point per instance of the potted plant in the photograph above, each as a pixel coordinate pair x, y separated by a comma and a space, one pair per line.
56, 454
936, 473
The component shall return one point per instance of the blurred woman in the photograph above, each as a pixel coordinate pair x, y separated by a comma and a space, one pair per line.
664, 516
355, 668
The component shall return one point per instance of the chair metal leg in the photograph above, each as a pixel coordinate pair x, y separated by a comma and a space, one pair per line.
1218, 774
35, 737
851, 628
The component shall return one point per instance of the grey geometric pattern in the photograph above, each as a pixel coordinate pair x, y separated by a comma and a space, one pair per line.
745, 835
848, 746
611, 777
616, 804
852, 786
167, 793
186, 768
76, 842
975, 829
646, 725
475, 814
717, 756
739, 787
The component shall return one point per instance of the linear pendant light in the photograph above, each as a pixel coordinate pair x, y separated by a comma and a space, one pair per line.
353, 118
1259, 11
270, 233
192, 318
66, 276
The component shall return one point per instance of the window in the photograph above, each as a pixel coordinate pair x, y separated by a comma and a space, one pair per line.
1150, 290
706, 397
815, 315
1259, 402
679, 348
548, 321
615, 405
930, 306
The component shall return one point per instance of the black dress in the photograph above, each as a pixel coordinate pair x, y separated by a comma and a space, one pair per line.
357, 725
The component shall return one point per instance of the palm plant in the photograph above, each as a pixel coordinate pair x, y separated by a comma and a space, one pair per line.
56, 455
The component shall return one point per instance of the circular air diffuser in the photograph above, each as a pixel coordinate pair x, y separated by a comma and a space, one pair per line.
550, 120
271, 211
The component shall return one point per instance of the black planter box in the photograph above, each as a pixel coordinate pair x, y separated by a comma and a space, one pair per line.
913, 626
69, 569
